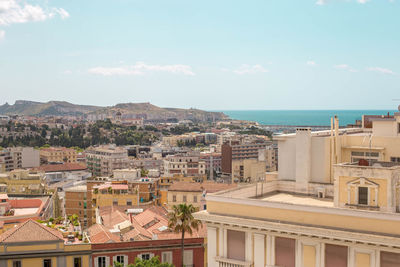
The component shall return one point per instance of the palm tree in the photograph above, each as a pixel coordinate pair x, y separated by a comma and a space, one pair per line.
181, 220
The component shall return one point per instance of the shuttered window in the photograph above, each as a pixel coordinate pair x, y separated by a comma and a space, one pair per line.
285, 252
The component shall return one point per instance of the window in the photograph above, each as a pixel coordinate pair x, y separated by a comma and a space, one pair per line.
188, 258
184, 198
395, 159
47, 263
145, 256
129, 202
101, 261
120, 259
17, 264
174, 198
195, 199
84, 205
77, 262
398, 127
363, 195
115, 202
166, 257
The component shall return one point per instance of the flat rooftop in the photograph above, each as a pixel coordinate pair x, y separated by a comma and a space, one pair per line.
298, 199
25, 211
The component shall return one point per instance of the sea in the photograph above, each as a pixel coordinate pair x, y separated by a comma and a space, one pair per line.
302, 117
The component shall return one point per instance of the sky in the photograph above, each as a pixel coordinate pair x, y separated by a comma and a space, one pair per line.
213, 55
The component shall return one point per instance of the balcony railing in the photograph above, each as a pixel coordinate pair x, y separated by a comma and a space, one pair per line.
224, 262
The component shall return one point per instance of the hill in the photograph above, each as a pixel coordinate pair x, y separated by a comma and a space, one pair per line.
150, 111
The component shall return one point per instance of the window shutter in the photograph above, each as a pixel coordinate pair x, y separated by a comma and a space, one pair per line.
107, 261
125, 260
96, 262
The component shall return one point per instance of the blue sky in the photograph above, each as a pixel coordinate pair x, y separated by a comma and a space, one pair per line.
255, 54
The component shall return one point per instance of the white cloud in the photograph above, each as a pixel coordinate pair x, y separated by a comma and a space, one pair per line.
2, 34
311, 63
141, 68
345, 67
381, 70
247, 69
14, 11
67, 72
321, 2
362, 1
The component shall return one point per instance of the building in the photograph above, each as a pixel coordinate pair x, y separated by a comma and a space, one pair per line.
193, 193
6, 161
77, 202
55, 173
212, 161
26, 182
335, 203
58, 154
184, 164
248, 170
25, 157
15, 210
309, 156
103, 160
235, 150
127, 174
33, 244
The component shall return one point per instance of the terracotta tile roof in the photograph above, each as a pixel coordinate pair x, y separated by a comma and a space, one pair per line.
100, 234
30, 231
210, 187
62, 167
110, 219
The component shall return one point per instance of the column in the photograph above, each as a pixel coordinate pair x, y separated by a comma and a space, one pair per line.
249, 247
270, 250
259, 250
211, 246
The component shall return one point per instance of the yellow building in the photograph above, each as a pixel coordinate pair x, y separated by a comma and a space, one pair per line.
320, 211
193, 193
58, 154
33, 244
114, 194
248, 170
23, 182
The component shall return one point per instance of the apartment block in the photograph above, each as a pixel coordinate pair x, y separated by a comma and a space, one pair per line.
58, 154
183, 164
103, 160
77, 202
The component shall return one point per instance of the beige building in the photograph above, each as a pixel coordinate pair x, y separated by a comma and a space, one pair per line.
58, 154
103, 160
23, 182
328, 207
193, 193
248, 170
184, 165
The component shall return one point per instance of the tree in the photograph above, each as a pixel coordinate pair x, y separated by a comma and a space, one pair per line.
181, 220
153, 262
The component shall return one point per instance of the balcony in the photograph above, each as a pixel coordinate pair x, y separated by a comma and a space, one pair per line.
224, 262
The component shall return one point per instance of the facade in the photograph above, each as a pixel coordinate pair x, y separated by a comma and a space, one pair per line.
184, 165
193, 193
248, 170
127, 174
27, 182
237, 151
58, 154
25, 157
33, 244
103, 160
168, 251
77, 202
6, 161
